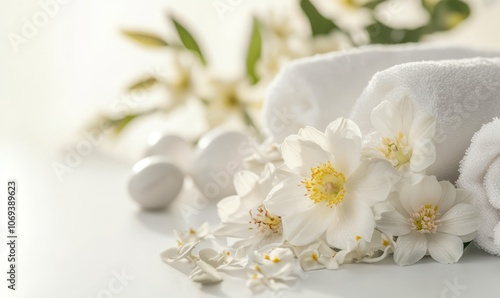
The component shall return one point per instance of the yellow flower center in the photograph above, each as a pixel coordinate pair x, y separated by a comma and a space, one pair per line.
425, 220
350, 4
326, 185
265, 221
396, 150
314, 256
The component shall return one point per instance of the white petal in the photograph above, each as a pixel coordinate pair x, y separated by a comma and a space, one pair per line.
351, 219
344, 141
423, 156
228, 206
422, 129
468, 237
235, 229
410, 249
288, 198
464, 196
211, 257
445, 248
312, 134
205, 274
461, 219
394, 223
305, 227
448, 196
391, 118
307, 262
244, 182
372, 181
427, 191
300, 156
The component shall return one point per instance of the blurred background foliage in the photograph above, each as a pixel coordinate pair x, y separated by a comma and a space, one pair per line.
275, 39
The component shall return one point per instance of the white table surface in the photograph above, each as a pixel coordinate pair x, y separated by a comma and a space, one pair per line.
76, 233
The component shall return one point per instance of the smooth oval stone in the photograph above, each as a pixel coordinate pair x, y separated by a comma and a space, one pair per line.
155, 182
176, 148
218, 157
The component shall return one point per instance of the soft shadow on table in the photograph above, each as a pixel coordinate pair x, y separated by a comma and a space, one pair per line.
183, 213
159, 221
214, 290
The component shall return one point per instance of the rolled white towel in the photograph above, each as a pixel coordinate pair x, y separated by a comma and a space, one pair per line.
315, 91
462, 95
497, 235
480, 173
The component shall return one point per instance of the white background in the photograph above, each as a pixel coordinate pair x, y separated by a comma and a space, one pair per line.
76, 232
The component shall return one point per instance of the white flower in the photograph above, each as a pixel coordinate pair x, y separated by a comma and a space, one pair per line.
272, 270
183, 77
318, 256
330, 189
225, 98
264, 154
209, 264
430, 217
244, 215
361, 251
232, 262
180, 257
191, 235
403, 136
205, 274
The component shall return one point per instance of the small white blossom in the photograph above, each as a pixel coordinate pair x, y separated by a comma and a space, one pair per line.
180, 257
244, 215
318, 256
231, 262
403, 136
430, 217
191, 235
273, 270
205, 274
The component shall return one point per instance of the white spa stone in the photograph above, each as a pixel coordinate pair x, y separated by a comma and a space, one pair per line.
218, 157
155, 182
176, 148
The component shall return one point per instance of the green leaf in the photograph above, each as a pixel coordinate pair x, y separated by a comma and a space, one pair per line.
447, 14
254, 52
319, 24
188, 40
380, 33
145, 38
143, 84
429, 4
121, 123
